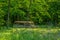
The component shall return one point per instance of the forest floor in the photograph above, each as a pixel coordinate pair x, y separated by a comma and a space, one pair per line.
30, 34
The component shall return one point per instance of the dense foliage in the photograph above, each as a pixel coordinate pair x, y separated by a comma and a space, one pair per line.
39, 11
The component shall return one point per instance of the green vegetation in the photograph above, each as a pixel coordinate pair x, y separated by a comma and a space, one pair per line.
39, 11
30, 34
45, 13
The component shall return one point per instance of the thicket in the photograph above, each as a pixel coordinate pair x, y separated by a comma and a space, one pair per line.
38, 11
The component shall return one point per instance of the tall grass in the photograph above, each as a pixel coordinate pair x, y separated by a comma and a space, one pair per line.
30, 34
